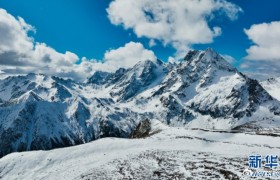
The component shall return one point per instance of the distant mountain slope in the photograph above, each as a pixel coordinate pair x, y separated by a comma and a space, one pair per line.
272, 86
202, 91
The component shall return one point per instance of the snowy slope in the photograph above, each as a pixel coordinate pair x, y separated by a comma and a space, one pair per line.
39, 112
272, 86
173, 153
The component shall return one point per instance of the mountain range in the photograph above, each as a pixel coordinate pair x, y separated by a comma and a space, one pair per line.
39, 112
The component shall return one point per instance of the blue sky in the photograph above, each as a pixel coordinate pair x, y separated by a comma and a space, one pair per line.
84, 28
234, 41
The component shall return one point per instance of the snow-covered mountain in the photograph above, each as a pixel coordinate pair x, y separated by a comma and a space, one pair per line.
202, 91
41, 112
272, 86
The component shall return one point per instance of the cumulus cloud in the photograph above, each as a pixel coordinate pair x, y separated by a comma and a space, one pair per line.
21, 54
44, 54
128, 55
152, 43
123, 57
266, 39
264, 55
180, 23
15, 43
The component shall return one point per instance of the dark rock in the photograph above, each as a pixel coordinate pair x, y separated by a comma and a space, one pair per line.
142, 130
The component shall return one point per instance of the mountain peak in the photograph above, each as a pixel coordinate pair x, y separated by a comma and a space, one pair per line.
208, 58
145, 63
99, 77
209, 54
210, 50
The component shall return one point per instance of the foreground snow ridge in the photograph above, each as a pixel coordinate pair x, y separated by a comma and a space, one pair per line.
173, 153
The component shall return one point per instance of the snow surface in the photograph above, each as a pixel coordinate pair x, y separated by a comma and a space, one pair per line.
174, 152
272, 86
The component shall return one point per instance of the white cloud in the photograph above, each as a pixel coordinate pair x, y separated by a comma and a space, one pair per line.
180, 23
14, 34
172, 60
47, 55
266, 37
264, 55
123, 57
128, 55
20, 54
152, 43
15, 43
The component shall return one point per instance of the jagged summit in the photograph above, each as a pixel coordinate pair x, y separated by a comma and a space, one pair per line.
98, 78
207, 58
197, 54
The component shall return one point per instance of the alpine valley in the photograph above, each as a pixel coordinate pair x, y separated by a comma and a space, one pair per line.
200, 97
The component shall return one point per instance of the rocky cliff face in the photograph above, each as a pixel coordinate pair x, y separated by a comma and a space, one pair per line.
202, 91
